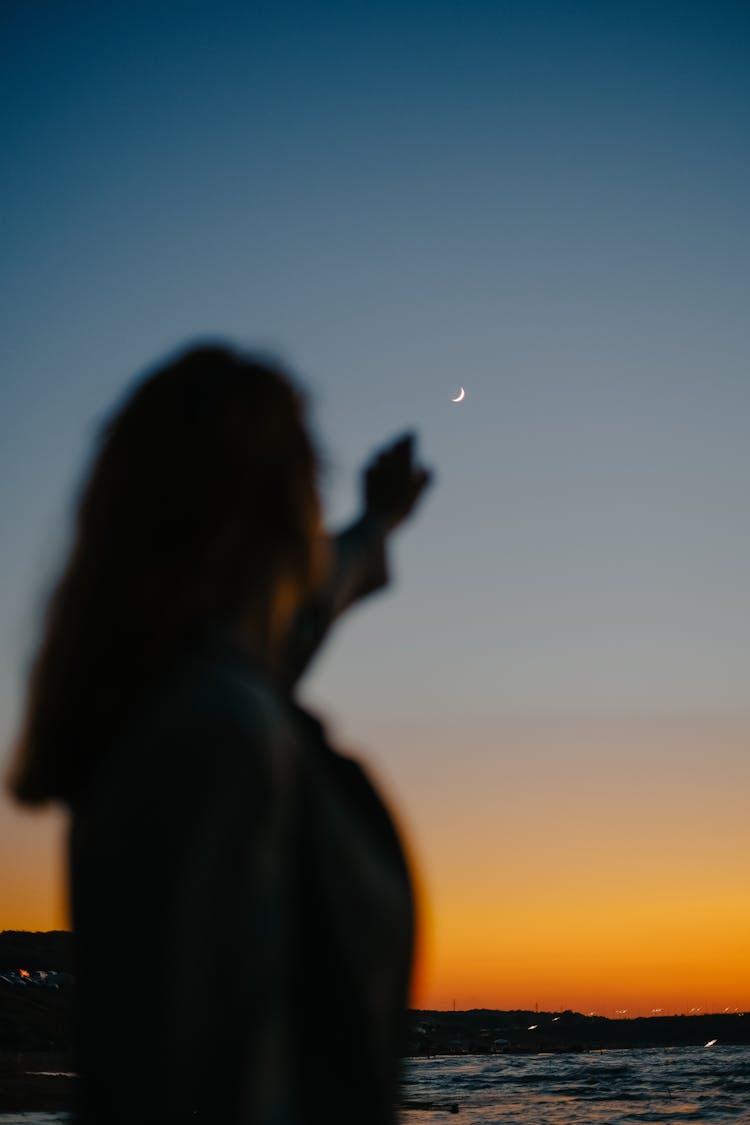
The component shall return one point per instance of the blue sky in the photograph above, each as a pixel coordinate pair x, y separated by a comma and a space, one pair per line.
543, 202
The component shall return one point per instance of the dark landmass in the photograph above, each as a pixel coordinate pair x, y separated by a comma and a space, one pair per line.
37, 994
483, 1031
37, 991
51, 950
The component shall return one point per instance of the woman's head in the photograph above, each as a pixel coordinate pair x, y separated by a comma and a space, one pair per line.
201, 507
204, 486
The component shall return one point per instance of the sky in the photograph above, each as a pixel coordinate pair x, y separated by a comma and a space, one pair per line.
544, 203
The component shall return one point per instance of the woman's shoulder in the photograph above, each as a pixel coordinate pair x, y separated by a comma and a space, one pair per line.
219, 683
209, 718
215, 691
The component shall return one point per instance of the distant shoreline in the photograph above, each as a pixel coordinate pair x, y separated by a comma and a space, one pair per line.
490, 1031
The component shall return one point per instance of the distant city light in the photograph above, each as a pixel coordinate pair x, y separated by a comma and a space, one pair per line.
712, 1043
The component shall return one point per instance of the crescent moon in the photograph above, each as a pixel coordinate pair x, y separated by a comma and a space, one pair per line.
460, 396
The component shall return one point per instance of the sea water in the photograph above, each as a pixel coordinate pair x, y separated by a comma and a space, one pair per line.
646, 1086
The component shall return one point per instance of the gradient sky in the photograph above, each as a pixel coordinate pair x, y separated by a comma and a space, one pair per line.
547, 204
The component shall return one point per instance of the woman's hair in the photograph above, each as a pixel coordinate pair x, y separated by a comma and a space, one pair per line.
203, 489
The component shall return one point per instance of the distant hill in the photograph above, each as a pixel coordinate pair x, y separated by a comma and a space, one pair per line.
42, 949
480, 1030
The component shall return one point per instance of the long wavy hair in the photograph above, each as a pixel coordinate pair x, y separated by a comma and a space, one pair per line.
201, 491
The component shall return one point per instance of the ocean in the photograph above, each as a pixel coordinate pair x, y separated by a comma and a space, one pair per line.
646, 1086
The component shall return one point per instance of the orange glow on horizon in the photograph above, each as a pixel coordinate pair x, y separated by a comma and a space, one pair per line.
590, 868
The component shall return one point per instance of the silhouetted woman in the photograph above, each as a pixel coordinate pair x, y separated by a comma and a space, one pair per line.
240, 900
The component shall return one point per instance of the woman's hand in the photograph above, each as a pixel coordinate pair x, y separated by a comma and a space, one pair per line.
393, 483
